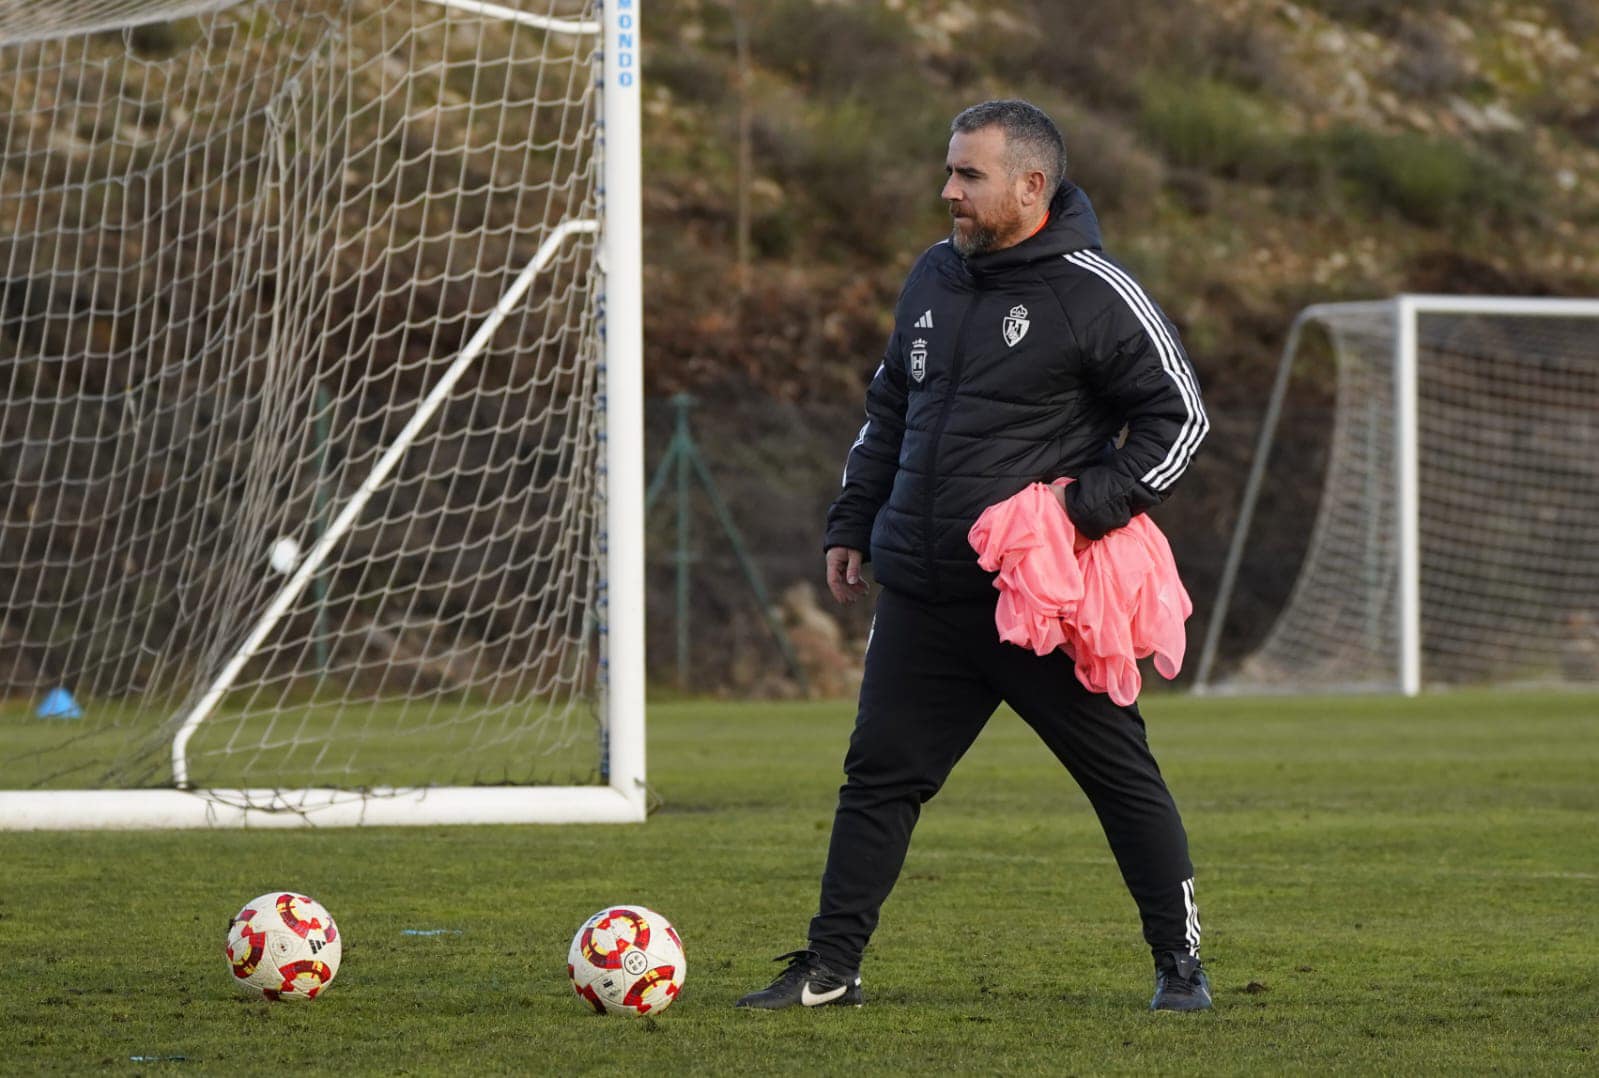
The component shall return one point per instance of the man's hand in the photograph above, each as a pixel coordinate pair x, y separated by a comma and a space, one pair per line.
1080, 541
844, 574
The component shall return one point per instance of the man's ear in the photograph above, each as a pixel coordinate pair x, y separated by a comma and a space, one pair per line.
1032, 192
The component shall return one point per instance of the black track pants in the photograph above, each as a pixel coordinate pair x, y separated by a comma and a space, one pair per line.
934, 675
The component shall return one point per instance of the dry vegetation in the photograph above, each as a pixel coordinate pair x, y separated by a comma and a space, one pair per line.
1248, 158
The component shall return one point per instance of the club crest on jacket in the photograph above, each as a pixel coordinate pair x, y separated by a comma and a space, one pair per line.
1015, 327
918, 359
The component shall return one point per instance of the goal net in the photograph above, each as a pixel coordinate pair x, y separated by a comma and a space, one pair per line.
1457, 537
320, 459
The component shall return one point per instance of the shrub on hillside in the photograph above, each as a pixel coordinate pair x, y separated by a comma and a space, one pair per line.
862, 175
156, 40
1107, 160
831, 50
1386, 16
1437, 182
1211, 126
1099, 49
1427, 65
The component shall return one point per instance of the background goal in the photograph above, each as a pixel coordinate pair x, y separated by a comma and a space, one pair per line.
1457, 536
320, 451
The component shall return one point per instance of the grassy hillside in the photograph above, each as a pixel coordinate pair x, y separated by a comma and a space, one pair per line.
1247, 157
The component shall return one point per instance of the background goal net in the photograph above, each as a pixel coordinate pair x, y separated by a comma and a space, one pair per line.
318, 332
1457, 536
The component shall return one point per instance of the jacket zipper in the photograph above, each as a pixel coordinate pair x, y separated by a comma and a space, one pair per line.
957, 361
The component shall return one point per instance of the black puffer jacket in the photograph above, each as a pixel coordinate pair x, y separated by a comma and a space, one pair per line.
1005, 369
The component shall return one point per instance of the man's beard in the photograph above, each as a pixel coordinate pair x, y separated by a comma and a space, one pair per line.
980, 239
985, 236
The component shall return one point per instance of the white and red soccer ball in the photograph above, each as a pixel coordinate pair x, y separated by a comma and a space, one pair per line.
627, 960
284, 945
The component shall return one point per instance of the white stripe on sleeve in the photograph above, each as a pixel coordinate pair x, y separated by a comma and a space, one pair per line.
859, 438
1196, 423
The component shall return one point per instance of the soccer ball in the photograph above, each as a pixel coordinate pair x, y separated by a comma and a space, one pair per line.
283, 945
627, 960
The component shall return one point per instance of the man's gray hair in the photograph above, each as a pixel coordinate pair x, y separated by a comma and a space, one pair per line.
1032, 141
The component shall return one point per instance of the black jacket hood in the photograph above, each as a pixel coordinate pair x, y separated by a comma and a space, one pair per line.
1072, 226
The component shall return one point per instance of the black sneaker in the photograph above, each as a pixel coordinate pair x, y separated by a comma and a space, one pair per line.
808, 982
1180, 983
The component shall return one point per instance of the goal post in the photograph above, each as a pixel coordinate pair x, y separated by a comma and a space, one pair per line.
358, 278
1456, 538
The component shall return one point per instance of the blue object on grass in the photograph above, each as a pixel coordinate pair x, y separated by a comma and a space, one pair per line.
59, 704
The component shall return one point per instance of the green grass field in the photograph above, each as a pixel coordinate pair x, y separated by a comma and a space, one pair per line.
1387, 886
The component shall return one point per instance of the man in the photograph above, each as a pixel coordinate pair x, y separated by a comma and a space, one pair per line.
1019, 353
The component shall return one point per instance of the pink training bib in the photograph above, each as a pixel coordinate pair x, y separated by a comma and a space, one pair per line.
1114, 602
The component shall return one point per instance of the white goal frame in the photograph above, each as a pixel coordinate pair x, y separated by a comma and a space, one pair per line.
622, 692
1407, 309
